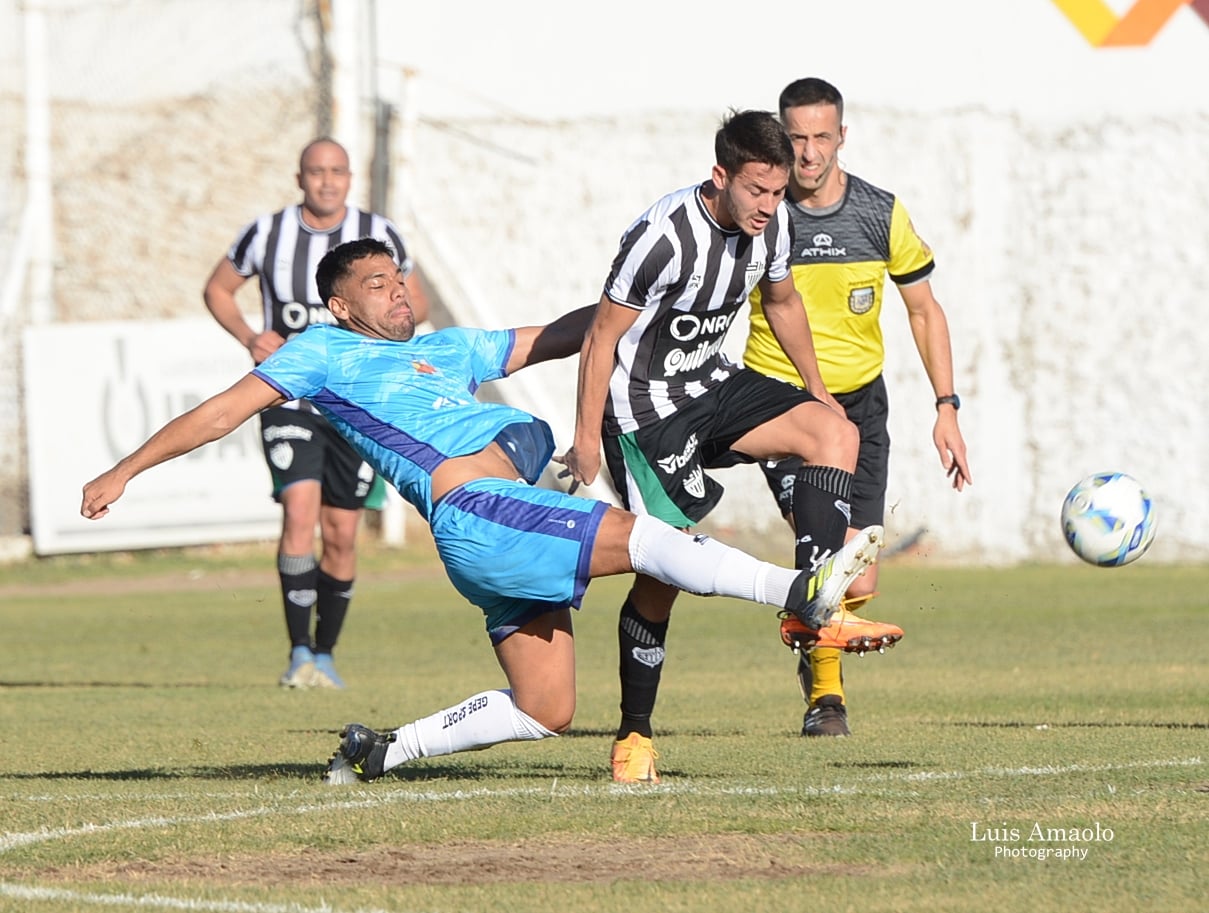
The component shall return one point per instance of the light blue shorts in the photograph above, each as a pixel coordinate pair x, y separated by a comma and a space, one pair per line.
516, 551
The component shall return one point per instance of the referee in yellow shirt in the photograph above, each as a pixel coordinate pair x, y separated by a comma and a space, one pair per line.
849, 235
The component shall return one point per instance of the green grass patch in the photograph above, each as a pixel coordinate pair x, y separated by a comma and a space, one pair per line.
151, 762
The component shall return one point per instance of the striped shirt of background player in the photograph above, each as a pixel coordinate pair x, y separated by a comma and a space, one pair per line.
288, 292
292, 252
675, 260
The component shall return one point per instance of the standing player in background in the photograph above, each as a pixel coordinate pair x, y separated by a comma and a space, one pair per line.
849, 235
656, 390
317, 477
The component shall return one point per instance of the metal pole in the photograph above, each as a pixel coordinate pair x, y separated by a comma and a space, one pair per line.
346, 89
40, 286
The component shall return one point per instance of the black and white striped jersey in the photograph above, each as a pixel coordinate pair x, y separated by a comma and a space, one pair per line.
688, 277
283, 252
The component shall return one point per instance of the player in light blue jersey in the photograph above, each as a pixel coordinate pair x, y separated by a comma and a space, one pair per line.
407, 405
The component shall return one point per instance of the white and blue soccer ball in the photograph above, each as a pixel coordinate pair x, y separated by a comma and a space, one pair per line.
1108, 519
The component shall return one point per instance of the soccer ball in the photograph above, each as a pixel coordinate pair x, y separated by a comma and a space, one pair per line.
1108, 520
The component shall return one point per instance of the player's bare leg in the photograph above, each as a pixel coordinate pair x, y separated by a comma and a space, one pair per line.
539, 662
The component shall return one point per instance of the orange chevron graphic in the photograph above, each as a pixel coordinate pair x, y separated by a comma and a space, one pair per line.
1137, 27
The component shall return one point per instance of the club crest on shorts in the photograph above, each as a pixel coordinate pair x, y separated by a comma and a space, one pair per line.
694, 482
282, 455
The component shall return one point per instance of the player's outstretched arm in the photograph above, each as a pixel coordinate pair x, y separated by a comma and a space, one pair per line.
215, 418
561, 338
597, 359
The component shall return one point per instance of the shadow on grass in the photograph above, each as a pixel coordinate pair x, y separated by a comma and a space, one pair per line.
147, 685
419, 773
1016, 724
875, 765
606, 734
232, 772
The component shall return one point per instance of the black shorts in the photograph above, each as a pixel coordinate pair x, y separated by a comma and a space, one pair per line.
301, 446
660, 469
869, 409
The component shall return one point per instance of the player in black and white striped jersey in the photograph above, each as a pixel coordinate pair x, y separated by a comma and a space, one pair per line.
657, 391
317, 477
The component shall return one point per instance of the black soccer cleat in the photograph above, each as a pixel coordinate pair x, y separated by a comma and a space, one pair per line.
361, 756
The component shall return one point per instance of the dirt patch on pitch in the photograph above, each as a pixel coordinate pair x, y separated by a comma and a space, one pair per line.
721, 857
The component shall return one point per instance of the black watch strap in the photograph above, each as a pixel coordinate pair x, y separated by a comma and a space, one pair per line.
951, 400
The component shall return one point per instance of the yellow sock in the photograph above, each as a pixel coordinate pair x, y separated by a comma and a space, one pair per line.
825, 673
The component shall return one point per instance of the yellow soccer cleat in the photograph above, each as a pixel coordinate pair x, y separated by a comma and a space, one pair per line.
634, 760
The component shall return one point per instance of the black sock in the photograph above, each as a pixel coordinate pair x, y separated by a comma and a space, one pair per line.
332, 606
821, 513
641, 644
298, 575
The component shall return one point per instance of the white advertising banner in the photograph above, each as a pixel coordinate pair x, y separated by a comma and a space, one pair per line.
94, 392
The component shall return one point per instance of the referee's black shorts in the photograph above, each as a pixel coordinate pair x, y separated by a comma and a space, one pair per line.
868, 408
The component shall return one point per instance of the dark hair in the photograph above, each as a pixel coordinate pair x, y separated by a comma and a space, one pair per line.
810, 91
752, 136
338, 262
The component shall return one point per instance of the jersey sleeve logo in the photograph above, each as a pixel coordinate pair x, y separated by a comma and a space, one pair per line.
922, 243
752, 274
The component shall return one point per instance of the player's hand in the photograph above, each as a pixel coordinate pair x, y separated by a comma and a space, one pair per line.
831, 402
952, 449
265, 344
100, 493
580, 468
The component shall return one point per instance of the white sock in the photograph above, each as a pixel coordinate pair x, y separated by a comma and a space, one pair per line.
699, 564
486, 719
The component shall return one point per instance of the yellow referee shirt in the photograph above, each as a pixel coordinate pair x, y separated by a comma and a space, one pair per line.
840, 259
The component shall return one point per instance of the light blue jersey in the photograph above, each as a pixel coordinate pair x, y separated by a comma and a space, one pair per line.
514, 550
405, 406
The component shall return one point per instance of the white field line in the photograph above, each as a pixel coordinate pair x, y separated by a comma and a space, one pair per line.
10, 841
156, 901
152, 901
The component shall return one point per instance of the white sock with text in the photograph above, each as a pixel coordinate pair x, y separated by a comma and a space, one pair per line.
481, 721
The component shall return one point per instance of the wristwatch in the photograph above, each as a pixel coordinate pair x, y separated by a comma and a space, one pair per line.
951, 400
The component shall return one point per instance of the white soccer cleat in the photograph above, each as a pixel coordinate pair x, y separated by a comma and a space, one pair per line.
825, 588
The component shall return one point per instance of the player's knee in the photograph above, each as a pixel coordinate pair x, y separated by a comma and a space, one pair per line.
555, 715
848, 438
838, 442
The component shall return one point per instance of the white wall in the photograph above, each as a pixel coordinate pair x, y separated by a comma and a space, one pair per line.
1062, 187
544, 58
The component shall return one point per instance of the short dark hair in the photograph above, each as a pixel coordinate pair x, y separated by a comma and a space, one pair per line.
338, 262
752, 136
810, 91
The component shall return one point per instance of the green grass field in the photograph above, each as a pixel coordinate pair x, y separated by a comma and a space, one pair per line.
149, 761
